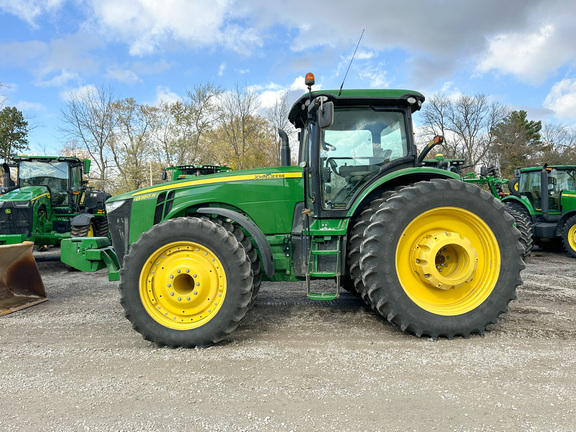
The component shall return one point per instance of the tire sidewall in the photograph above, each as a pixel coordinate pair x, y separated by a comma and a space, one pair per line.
450, 193
177, 230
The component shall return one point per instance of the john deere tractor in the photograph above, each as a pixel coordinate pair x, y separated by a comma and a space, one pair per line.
546, 196
50, 202
180, 172
435, 256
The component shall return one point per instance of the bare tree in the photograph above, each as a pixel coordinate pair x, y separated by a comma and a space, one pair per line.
3, 98
277, 116
131, 143
558, 144
235, 112
88, 119
179, 127
202, 116
466, 122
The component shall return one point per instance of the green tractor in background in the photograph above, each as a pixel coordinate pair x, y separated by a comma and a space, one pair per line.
49, 201
180, 172
547, 197
435, 256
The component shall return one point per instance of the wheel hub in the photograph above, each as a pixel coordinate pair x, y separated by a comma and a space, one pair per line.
445, 260
183, 285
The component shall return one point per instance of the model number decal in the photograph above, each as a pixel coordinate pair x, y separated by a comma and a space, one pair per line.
269, 176
147, 196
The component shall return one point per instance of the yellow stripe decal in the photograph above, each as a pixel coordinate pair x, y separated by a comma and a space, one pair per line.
271, 176
40, 196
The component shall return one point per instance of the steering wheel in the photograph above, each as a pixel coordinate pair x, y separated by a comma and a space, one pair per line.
333, 165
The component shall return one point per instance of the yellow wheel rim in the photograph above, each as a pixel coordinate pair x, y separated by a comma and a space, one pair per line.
90, 231
572, 237
182, 285
448, 261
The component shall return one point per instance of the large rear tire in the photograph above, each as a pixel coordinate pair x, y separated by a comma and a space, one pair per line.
186, 282
441, 258
355, 242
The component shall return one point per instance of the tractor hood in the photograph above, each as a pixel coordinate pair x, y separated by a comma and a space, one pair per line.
27, 193
257, 175
267, 196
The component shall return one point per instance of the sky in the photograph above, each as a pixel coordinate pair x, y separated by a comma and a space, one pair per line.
521, 53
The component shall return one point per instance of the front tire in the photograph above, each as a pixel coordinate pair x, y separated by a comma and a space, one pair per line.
441, 258
569, 236
186, 282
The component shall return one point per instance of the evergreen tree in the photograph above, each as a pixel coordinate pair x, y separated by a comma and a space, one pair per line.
517, 142
13, 133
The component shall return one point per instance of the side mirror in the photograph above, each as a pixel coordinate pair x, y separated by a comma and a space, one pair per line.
483, 171
164, 175
326, 115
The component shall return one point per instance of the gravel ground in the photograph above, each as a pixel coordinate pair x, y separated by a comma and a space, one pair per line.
74, 364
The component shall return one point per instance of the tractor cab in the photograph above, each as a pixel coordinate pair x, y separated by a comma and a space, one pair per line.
349, 139
544, 187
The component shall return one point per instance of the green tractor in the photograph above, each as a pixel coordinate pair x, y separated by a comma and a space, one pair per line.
435, 256
50, 202
546, 196
180, 172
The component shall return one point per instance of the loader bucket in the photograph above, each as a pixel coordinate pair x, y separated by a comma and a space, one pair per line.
20, 283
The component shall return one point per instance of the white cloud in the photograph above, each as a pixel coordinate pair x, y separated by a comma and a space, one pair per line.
122, 75
78, 93
529, 56
61, 79
164, 94
147, 25
376, 76
221, 69
30, 106
30, 10
562, 99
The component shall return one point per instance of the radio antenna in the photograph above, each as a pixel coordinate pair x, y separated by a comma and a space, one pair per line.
350, 64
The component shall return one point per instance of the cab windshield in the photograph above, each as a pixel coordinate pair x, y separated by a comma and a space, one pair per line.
51, 174
354, 148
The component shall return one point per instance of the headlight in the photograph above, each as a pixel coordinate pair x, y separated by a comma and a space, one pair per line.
111, 206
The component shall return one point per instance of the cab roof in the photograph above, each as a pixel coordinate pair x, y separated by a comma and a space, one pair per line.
360, 97
25, 158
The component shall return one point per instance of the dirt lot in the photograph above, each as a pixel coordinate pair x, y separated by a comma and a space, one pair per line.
74, 364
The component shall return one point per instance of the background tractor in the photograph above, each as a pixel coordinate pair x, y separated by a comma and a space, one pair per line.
546, 196
435, 256
50, 202
185, 171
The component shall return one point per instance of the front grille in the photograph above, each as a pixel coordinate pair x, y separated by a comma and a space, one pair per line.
119, 221
15, 220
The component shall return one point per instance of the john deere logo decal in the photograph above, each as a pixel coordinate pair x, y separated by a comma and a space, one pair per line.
8, 211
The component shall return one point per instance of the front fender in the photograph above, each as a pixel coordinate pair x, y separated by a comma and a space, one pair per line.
253, 230
82, 220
